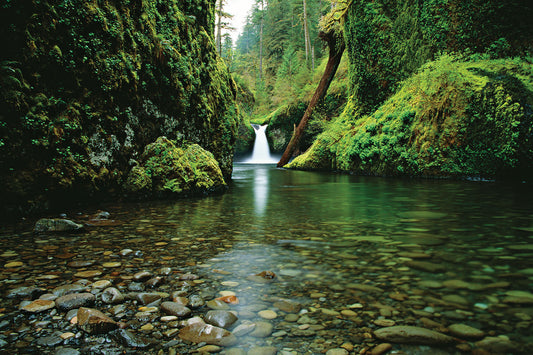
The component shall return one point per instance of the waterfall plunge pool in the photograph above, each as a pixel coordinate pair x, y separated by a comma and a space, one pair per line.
351, 255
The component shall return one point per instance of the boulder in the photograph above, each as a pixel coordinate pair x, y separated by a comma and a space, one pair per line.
45, 225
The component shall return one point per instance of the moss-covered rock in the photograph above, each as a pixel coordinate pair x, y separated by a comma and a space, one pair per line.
455, 118
86, 85
169, 169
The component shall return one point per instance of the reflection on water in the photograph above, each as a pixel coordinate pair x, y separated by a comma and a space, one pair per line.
260, 190
352, 255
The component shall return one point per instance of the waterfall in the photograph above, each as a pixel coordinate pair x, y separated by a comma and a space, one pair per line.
261, 152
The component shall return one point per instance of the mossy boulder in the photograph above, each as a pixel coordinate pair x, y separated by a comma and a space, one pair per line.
169, 169
455, 118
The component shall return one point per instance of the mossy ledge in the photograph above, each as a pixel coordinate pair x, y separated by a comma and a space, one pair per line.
168, 170
455, 118
87, 85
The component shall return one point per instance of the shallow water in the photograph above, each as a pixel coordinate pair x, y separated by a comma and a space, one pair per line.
350, 251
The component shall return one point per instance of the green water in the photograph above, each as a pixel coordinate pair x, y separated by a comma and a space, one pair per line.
345, 248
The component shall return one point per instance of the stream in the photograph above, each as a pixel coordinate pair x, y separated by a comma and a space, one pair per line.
316, 261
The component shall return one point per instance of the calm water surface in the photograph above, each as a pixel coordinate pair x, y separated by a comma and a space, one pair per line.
354, 254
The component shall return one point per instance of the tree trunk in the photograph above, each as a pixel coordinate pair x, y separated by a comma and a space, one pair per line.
219, 28
261, 44
336, 48
306, 33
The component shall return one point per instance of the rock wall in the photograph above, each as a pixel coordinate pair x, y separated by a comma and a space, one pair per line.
86, 85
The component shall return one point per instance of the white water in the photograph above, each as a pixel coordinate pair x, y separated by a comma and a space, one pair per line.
261, 152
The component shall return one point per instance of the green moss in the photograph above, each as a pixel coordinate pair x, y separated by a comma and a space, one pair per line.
454, 118
95, 82
166, 168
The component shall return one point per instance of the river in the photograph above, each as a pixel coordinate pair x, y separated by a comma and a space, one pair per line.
349, 255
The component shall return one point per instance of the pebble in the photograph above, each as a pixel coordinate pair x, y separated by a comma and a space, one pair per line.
243, 329
465, 332
112, 264
207, 333
88, 274
39, 306
209, 349
263, 350
175, 309
93, 321
74, 300
101, 284
268, 314
220, 318
262, 329
381, 349
337, 351
412, 335
230, 283
14, 264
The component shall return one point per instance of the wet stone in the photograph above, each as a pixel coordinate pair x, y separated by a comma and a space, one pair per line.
80, 263
196, 301
101, 284
74, 300
465, 332
88, 274
498, 345
206, 333
263, 350
175, 309
426, 266
337, 351
25, 292
111, 295
93, 321
67, 351
262, 329
56, 225
50, 340
217, 305
268, 314
39, 306
381, 349
243, 329
219, 318
142, 276
147, 298
131, 340
412, 335
287, 306
68, 289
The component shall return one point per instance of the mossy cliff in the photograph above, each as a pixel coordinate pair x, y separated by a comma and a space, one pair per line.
87, 85
461, 115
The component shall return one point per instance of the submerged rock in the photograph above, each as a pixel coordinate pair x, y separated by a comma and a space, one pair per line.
219, 318
56, 225
127, 338
412, 335
198, 333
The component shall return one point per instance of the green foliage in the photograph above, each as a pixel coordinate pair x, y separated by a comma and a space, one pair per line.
454, 118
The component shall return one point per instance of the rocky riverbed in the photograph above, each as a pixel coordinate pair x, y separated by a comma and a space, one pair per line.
161, 293
233, 275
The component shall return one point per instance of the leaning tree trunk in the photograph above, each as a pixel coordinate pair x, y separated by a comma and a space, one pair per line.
336, 46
